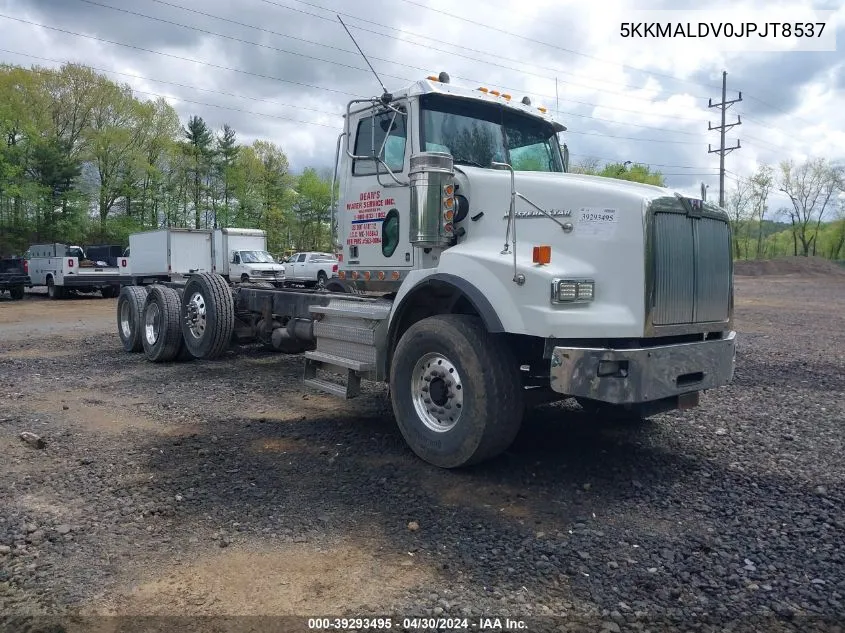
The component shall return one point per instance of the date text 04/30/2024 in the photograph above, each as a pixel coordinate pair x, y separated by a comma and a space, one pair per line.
418, 624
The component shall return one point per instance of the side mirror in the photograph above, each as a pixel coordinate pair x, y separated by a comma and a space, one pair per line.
236, 259
565, 158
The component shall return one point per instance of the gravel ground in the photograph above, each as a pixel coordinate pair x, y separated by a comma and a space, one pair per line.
227, 488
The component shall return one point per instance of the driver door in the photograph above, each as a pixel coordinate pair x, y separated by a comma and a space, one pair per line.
374, 219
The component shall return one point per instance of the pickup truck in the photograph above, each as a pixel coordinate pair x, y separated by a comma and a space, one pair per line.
14, 277
310, 269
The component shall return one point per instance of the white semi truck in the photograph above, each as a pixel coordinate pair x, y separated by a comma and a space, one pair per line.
479, 277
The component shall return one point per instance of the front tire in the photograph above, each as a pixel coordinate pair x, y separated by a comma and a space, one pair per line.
161, 335
456, 391
207, 315
130, 307
16, 292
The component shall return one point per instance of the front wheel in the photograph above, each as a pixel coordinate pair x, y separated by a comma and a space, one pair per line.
16, 293
456, 391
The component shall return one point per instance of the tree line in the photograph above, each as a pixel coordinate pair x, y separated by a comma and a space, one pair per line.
812, 225
83, 160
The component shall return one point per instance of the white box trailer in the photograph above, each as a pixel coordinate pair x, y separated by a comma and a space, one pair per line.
169, 253
241, 255
57, 266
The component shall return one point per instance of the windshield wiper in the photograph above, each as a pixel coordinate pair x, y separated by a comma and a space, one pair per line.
467, 161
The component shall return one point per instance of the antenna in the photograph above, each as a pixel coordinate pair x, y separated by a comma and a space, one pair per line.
386, 97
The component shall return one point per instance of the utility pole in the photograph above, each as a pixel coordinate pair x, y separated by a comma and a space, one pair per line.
722, 150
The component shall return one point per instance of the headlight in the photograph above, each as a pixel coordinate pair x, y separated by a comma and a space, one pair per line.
573, 290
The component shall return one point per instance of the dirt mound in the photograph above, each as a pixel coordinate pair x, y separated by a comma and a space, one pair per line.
811, 266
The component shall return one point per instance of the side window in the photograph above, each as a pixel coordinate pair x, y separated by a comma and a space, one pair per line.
390, 233
301, 258
394, 147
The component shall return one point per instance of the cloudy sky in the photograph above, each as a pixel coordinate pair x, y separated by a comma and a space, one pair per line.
283, 69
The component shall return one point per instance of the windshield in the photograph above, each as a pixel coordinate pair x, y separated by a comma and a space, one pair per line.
481, 133
256, 257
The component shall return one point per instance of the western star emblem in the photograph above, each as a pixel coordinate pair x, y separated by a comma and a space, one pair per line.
560, 213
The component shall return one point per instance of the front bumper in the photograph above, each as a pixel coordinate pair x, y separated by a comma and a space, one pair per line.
631, 376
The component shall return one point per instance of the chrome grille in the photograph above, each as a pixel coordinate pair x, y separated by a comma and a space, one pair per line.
691, 276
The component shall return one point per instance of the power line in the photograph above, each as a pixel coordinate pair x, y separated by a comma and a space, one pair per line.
286, 80
389, 61
722, 151
554, 70
233, 38
440, 41
187, 59
330, 61
643, 163
174, 83
555, 46
580, 54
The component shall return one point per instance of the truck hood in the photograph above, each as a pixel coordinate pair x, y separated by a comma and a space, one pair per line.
560, 191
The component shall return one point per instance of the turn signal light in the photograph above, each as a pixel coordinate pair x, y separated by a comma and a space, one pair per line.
542, 254
449, 190
448, 216
448, 203
341, 274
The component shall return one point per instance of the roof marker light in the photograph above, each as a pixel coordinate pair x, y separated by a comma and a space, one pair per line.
542, 109
483, 90
494, 92
506, 96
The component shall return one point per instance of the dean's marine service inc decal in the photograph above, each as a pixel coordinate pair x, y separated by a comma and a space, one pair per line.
368, 214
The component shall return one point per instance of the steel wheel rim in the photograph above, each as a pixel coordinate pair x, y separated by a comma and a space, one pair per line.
125, 325
152, 323
437, 392
197, 315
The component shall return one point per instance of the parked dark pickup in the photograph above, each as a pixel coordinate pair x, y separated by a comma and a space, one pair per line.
14, 277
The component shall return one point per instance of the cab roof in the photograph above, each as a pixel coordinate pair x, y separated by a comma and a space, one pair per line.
433, 85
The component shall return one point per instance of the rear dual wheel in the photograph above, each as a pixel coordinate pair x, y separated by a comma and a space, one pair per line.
161, 336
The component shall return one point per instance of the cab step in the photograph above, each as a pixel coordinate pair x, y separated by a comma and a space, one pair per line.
350, 339
315, 360
338, 361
